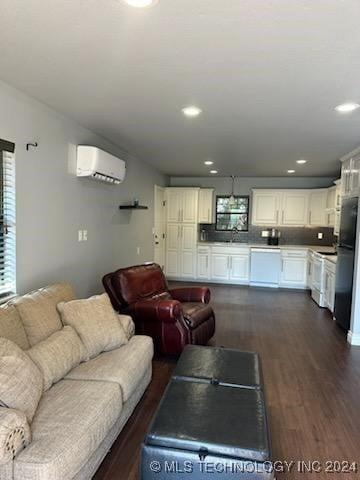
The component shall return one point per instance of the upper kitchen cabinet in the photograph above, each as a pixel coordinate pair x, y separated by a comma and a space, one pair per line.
182, 205
317, 208
331, 206
206, 199
350, 175
279, 207
265, 207
294, 207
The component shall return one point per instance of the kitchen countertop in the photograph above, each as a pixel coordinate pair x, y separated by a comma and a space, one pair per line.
314, 248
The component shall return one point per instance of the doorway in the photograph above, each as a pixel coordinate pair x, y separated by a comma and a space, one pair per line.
159, 225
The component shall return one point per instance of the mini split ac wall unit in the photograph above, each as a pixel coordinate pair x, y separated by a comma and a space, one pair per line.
92, 162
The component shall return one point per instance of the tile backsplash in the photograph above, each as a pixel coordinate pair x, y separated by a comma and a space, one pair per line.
289, 235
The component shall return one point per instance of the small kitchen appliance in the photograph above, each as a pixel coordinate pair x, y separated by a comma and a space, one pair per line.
273, 238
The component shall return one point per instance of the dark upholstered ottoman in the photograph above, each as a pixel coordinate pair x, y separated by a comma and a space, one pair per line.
220, 365
211, 426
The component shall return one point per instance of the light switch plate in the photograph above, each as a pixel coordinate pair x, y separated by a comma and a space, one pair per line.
85, 235
265, 233
80, 235
320, 235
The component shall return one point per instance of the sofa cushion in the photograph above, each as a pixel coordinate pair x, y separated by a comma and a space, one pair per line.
125, 366
11, 326
196, 313
72, 420
58, 354
21, 383
38, 310
96, 323
14, 433
128, 325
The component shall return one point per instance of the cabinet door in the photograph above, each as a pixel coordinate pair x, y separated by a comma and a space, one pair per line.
355, 176
205, 205
346, 177
188, 237
317, 208
173, 236
293, 271
188, 265
239, 268
219, 266
189, 205
294, 208
337, 222
332, 292
203, 265
173, 204
172, 263
265, 209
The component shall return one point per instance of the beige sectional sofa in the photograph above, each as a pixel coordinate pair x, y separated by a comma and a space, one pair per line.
79, 417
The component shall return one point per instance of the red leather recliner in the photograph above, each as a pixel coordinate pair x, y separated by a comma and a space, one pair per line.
172, 317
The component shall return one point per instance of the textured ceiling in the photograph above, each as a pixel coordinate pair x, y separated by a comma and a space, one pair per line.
267, 74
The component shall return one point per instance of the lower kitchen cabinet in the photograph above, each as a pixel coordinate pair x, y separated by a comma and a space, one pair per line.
228, 265
294, 268
329, 284
203, 263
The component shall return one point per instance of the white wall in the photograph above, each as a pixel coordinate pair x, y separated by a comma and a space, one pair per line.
52, 204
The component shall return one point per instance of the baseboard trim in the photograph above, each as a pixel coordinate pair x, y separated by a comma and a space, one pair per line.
353, 338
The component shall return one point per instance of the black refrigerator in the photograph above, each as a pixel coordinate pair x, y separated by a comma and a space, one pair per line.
345, 262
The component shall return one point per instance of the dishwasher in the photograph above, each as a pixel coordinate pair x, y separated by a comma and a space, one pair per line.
265, 267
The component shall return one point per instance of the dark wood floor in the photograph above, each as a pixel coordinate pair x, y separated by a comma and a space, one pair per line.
312, 380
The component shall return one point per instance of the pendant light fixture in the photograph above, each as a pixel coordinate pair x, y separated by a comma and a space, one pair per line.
232, 196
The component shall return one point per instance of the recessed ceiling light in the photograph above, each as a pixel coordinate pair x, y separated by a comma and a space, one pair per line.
208, 162
140, 3
191, 111
291, 171
214, 172
347, 107
301, 162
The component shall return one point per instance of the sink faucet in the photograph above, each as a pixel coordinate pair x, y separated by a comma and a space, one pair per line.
234, 231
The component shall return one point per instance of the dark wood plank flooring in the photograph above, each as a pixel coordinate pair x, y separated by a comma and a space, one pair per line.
312, 380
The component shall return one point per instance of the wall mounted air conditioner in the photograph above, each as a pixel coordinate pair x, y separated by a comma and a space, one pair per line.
99, 165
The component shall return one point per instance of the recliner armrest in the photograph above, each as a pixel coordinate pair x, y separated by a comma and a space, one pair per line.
164, 311
191, 294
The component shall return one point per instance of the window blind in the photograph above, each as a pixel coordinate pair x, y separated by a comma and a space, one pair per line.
7, 223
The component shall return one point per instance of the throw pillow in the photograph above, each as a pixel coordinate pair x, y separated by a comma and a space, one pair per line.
57, 355
21, 382
96, 323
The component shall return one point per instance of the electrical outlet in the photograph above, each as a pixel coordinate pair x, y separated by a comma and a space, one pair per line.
138, 250
265, 233
80, 235
320, 235
85, 235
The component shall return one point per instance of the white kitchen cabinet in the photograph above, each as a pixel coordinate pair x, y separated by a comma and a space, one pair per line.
329, 284
331, 206
239, 268
266, 207
219, 266
203, 262
230, 264
350, 174
337, 221
182, 204
317, 208
181, 250
294, 207
293, 268
173, 204
206, 199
